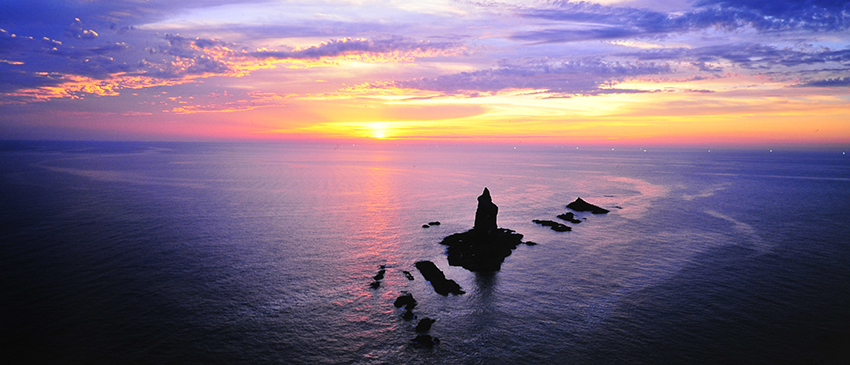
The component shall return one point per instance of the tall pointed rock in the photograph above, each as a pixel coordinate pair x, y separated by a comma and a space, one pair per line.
485, 215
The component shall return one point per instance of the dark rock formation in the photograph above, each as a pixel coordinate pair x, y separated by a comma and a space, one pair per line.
408, 315
425, 341
426, 226
481, 252
557, 227
425, 324
434, 223
530, 243
485, 215
407, 274
485, 246
580, 205
378, 277
437, 279
405, 300
569, 217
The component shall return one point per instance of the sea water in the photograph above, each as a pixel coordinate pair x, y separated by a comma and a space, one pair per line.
264, 253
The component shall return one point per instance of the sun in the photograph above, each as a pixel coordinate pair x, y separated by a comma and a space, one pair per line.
379, 130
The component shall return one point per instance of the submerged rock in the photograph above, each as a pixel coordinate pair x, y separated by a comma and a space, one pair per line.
557, 227
434, 223
579, 205
425, 341
437, 279
485, 246
407, 274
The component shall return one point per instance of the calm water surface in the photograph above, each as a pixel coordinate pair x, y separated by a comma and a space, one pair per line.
263, 253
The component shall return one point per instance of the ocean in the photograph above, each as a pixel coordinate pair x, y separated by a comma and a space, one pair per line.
119, 252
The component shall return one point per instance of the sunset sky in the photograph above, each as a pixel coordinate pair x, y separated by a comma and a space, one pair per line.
680, 72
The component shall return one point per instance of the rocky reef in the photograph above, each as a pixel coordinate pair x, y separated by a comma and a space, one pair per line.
484, 247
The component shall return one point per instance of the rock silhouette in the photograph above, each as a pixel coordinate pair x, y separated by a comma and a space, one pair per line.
431, 224
437, 279
579, 205
405, 300
382, 269
557, 227
407, 274
485, 215
425, 341
485, 246
569, 217
424, 324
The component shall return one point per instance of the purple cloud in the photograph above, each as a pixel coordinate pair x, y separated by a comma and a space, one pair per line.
347, 46
834, 82
580, 77
76, 30
747, 55
602, 22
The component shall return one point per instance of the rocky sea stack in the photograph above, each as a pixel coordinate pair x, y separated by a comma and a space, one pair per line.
484, 247
579, 205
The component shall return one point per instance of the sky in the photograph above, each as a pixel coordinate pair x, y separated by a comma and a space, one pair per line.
608, 72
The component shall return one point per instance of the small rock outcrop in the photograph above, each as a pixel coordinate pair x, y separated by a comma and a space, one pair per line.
569, 217
437, 279
408, 315
485, 246
579, 205
407, 274
424, 324
382, 269
405, 300
431, 224
425, 341
555, 226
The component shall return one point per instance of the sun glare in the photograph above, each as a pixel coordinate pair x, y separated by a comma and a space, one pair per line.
379, 130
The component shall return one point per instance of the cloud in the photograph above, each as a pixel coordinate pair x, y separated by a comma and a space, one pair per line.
76, 30
813, 15
574, 35
751, 56
582, 21
562, 78
352, 46
834, 82
54, 14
